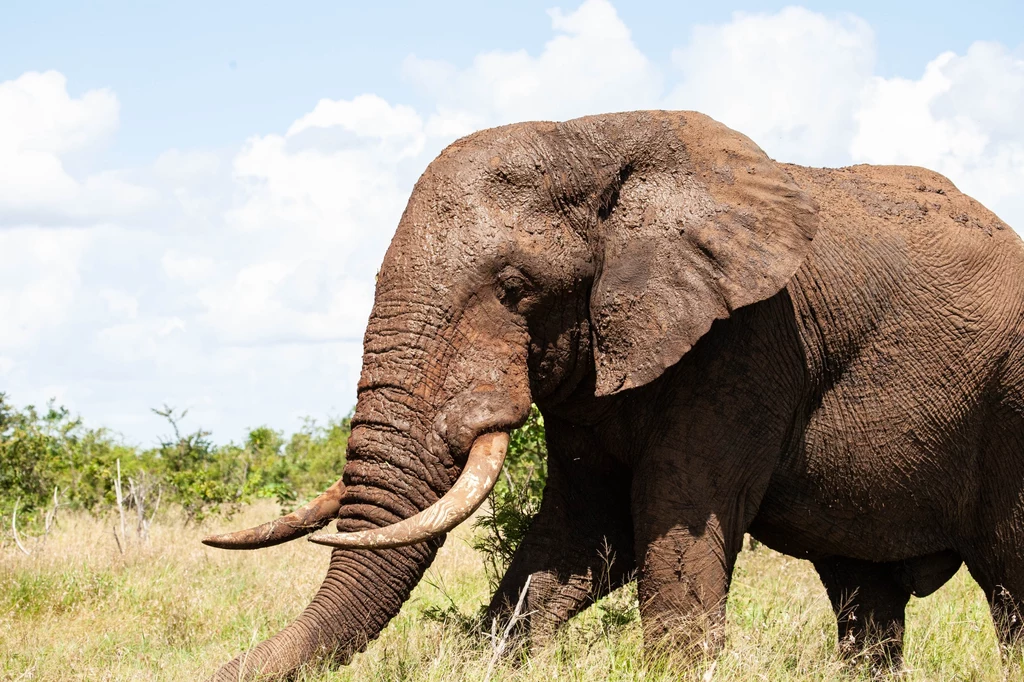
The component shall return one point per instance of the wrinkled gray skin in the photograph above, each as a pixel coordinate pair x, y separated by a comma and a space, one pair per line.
832, 360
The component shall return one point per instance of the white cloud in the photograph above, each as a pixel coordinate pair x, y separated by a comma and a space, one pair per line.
961, 118
120, 304
39, 115
39, 282
39, 123
333, 176
316, 209
590, 66
791, 80
185, 167
147, 339
276, 302
366, 116
188, 269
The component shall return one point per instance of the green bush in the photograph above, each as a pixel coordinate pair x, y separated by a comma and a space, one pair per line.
515, 498
43, 454
317, 454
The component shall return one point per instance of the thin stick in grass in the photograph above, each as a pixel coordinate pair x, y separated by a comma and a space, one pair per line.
499, 645
14, 528
120, 508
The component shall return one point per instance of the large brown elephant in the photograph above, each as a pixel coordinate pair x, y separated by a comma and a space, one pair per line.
831, 360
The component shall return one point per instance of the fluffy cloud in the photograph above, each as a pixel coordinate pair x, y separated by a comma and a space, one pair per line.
39, 282
39, 124
961, 118
590, 66
317, 208
791, 80
244, 296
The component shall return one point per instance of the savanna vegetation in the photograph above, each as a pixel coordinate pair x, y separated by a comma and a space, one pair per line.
94, 589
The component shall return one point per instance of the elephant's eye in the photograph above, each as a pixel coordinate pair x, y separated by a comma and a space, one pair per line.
512, 286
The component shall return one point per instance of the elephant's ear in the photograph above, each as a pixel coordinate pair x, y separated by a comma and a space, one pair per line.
697, 224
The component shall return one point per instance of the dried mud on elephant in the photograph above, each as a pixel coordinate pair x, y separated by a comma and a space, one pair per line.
831, 360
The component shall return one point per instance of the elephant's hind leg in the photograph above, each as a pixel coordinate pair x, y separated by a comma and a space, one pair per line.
869, 602
994, 544
1003, 583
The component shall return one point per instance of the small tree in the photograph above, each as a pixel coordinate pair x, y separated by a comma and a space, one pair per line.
193, 474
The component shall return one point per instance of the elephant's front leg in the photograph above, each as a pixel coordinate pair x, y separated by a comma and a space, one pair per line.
579, 546
689, 528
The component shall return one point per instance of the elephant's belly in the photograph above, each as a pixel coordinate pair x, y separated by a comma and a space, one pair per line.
807, 517
874, 475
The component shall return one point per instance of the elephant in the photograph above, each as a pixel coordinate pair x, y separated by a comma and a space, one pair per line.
831, 360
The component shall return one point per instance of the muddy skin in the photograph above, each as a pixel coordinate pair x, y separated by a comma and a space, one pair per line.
831, 360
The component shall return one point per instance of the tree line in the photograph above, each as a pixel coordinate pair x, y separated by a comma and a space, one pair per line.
50, 461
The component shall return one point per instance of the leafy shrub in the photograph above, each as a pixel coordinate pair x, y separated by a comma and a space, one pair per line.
49, 453
41, 453
317, 454
515, 498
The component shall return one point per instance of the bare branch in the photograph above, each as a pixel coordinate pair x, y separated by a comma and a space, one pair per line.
500, 644
14, 528
51, 516
120, 505
156, 507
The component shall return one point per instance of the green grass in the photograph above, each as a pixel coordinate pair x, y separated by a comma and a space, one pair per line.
173, 609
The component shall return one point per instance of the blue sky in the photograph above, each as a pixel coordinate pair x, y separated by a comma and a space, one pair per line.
197, 194
208, 74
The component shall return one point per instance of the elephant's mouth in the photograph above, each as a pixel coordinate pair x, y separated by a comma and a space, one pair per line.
483, 466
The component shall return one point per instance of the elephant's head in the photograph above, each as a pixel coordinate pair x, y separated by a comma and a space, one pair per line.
533, 261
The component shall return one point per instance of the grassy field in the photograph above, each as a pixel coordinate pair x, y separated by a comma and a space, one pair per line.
172, 609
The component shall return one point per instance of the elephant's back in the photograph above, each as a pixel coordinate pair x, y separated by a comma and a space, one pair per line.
915, 203
914, 240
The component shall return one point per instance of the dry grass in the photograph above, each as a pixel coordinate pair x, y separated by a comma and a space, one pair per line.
173, 610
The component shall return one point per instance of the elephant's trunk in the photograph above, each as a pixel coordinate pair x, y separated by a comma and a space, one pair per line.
389, 476
483, 466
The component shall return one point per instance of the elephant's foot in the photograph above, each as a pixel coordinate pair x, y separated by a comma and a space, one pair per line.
682, 589
565, 585
869, 603
683, 637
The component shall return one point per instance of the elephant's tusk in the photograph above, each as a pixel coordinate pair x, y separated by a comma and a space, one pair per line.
304, 520
483, 466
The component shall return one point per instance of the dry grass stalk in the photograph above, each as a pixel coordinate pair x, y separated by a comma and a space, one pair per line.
499, 645
123, 542
14, 528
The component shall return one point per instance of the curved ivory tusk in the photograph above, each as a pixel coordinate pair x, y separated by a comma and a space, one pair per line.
304, 520
478, 477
